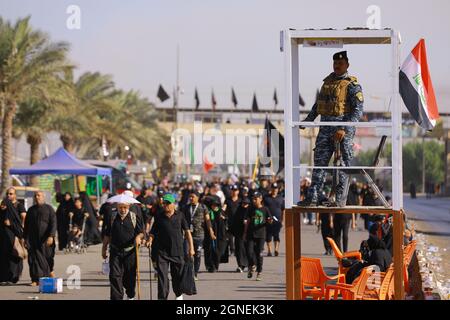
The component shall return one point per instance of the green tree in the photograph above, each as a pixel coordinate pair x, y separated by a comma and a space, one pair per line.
129, 120
30, 67
412, 162
32, 121
100, 112
75, 120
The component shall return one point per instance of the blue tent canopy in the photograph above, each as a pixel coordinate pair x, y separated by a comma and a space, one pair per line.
62, 162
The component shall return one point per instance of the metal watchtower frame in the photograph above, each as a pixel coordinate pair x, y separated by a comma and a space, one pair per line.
290, 42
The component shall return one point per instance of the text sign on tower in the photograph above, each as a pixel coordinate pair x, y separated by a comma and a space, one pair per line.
323, 43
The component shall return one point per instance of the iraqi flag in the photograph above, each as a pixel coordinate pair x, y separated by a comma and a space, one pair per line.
416, 88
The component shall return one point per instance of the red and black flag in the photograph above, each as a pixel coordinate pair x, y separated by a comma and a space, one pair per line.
213, 101
162, 94
255, 104
197, 99
233, 98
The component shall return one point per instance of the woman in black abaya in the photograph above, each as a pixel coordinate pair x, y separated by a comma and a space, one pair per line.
10, 227
66, 205
92, 234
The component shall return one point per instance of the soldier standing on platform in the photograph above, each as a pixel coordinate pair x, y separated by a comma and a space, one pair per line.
340, 100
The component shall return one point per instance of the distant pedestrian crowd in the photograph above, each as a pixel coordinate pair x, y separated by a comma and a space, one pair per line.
217, 220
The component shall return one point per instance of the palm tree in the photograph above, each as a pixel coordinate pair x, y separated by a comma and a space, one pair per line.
92, 91
150, 140
129, 119
30, 66
102, 113
32, 120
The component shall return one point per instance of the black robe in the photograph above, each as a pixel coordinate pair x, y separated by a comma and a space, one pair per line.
10, 265
92, 234
379, 255
216, 251
105, 214
40, 224
62, 219
237, 229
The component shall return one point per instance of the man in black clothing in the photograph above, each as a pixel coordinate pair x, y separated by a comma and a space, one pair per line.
185, 193
166, 236
123, 233
255, 233
370, 198
325, 222
147, 200
39, 235
231, 205
227, 187
275, 204
195, 214
341, 222
11, 195
264, 187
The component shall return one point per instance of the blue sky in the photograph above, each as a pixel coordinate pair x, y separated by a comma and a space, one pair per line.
235, 43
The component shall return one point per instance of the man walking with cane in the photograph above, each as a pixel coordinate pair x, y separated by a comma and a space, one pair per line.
123, 233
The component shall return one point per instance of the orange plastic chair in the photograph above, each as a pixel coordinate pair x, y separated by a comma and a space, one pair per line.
314, 278
408, 253
354, 291
391, 290
339, 255
381, 293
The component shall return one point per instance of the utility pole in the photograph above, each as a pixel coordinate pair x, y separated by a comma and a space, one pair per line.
176, 97
177, 89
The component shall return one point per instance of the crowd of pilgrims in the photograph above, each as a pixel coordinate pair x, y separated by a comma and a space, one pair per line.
225, 218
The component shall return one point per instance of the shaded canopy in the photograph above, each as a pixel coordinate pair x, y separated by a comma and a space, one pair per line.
62, 162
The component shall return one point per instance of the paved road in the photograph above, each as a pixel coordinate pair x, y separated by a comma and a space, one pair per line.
432, 215
432, 218
226, 284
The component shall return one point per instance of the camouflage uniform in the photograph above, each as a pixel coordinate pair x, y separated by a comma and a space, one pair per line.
325, 144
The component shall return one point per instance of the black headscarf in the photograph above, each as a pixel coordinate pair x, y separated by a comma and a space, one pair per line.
92, 233
87, 204
13, 216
